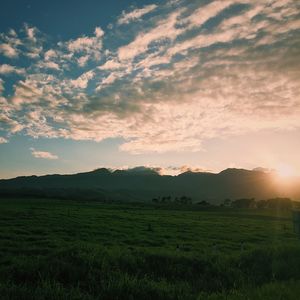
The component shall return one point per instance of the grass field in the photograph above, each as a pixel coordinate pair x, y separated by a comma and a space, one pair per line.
51, 249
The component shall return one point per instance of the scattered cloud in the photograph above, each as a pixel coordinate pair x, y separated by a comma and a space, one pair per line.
8, 69
8, 50
43, 154
49, 54
189, 73
82, 60
52, 65
80, 44
87, 47
99, 32
82, 80
31, 33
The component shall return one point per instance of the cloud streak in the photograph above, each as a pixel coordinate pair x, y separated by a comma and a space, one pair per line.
43, 154
136, 14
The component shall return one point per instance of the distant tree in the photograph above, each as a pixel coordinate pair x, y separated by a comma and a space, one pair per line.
296, 204
203, 203
261, 204
227, 202
279, 203
163, 199
185, 200
155, 200
244, 203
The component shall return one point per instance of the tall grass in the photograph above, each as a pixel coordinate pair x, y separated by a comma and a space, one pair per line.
54, 250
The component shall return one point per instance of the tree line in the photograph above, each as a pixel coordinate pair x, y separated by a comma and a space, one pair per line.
273, 203
169, 199
280, 203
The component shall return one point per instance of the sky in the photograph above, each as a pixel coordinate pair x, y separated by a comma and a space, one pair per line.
178, 84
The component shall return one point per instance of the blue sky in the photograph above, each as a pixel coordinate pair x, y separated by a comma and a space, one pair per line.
201, 85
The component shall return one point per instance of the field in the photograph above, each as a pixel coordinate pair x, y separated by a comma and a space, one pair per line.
52, 249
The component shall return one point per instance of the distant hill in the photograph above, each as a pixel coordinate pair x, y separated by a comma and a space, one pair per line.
143, 184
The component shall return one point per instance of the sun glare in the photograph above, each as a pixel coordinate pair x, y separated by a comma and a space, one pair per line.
285, 171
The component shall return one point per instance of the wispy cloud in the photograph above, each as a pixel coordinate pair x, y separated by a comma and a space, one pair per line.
82, 80
206, 12
136, 14
164, 29
43, 154
84, 48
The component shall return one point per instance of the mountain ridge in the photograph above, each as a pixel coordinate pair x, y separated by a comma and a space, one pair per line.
143, 184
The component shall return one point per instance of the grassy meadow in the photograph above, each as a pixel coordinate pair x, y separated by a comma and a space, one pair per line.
59, 249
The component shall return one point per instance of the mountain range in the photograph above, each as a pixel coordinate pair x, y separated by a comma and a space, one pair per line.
144, 184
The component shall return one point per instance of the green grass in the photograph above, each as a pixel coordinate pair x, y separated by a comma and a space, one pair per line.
51, 249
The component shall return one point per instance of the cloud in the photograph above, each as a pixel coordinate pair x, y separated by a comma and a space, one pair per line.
165, 29
204, 13
49, 54
43, 154
85, 48
136, 14
6, 121
8, 69
143, 170
82, 60
10, 43
85, 43
49, 65
31, 33
34, 52
3, 140
110, 65
182, 169
99, 32
80, 44
264, 170
82, 80
8, 50
1, 86
190, 73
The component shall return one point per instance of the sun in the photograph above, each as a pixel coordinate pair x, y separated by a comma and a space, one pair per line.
285, 171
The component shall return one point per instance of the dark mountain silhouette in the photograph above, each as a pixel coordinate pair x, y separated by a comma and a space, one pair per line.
143, 184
